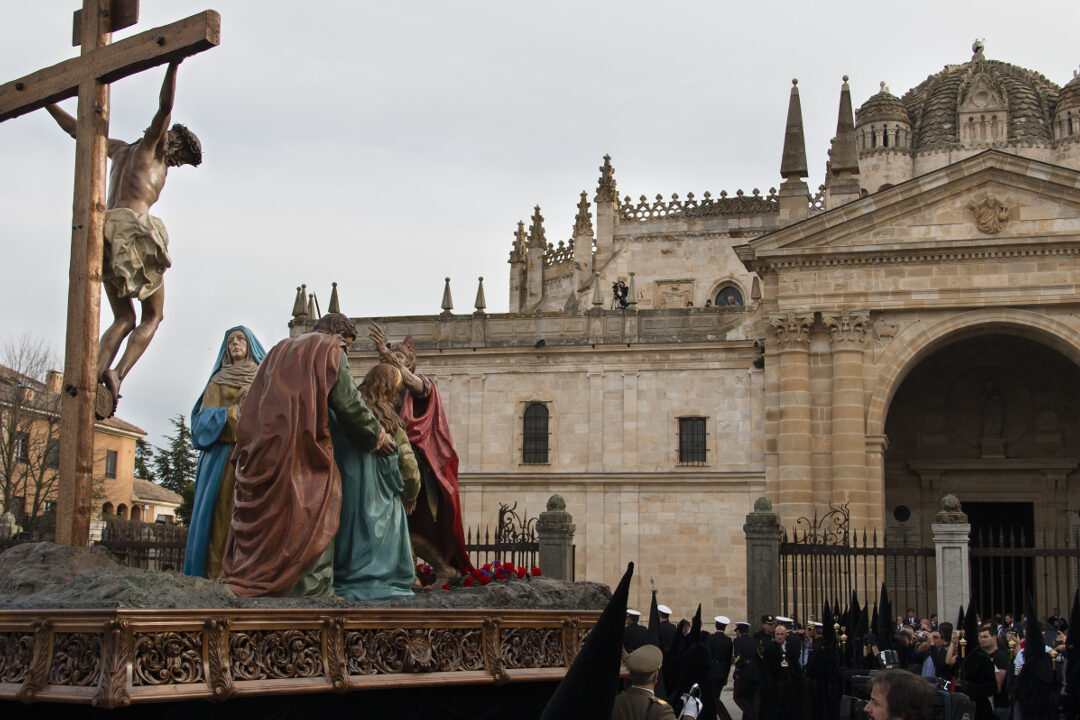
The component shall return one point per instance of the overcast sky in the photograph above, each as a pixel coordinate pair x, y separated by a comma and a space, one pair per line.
385, 145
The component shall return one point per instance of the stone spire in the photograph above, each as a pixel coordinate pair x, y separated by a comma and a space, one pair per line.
299, 307
312, 315
845, 156
517, 252
334, 306
447, 301
481, 301
842, 177
583, 221
793, 162
537, 237
605, 190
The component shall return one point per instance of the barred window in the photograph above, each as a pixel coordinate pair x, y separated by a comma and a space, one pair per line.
535, 434
21, 450
692, 448
52, 453
110, 463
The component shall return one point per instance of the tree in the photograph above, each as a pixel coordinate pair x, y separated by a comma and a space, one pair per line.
144, 460
29, 431
175, 466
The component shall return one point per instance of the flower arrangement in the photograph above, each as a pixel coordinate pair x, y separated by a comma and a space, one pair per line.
493, 572
425, 574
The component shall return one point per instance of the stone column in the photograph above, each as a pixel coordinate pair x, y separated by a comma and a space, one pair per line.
848, 330
951, 535
793, 433
555, 530
763, 535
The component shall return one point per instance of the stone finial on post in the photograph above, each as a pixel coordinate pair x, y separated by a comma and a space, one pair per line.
447, 301
8, 528
763, 535
951, 531
481, 302
555, 530
631, 292
335, 303
597, 293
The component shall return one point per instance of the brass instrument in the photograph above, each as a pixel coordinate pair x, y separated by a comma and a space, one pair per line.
963, 645
843, 637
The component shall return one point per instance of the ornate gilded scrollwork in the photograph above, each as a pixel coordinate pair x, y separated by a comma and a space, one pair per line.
458, 649
571, 630
280, 654
532, 647
334, 653
38, 674
167, 658
375, 652
112, 688
380, 652
76, 659
217, 657
16, 651
493, 661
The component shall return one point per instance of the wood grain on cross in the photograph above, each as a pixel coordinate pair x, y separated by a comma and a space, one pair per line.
88, 76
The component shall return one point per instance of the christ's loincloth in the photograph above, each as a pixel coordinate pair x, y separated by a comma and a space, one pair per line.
135, 253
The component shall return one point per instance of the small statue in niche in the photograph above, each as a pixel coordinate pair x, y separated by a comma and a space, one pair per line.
990, 214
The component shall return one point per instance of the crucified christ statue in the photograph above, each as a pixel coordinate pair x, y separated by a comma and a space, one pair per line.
135, 253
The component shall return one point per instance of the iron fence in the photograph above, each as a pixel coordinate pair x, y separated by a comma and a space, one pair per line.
1008, 563
151, 546
515, 540
824, 560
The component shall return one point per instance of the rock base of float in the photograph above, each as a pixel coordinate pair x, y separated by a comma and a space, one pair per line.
38, 576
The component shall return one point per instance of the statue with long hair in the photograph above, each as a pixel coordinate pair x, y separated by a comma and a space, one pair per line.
213, 433
372, 553
435, 528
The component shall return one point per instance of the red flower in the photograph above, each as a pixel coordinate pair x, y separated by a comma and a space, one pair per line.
485, 580
536, 571
445, 587
508, 566
500, 575
486, 566
478, 573
522, 572
468, 582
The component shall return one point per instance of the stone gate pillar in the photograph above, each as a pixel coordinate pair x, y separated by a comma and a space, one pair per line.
951, 532
795, 494
763, 535
555, 530
848, 330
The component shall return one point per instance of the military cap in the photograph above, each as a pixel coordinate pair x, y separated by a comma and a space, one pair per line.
784, 620
814, 623
646, 659
663, 609
768, 620
722, 620
633, 613
742, 623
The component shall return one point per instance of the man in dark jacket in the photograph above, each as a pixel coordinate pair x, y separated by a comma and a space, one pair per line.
721, 651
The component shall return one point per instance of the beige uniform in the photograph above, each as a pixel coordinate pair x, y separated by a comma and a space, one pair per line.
637, 703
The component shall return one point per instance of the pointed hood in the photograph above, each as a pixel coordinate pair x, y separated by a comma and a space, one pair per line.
884, 626
1072, 644
828, 632
589, 686
1036, 680
874, 628
971, 627
793, 161
654, 623
695, 628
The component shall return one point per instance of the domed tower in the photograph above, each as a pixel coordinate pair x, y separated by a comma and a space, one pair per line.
883, 134
965, 109
1067, 123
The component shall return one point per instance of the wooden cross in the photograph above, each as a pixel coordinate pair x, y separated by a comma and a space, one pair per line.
88, 76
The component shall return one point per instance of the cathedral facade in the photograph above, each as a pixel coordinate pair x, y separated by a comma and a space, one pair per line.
907, 331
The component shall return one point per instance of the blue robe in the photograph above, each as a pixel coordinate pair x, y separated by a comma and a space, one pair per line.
372, 552
206, 426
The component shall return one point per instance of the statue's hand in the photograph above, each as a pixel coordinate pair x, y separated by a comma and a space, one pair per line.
410, 505
386, 445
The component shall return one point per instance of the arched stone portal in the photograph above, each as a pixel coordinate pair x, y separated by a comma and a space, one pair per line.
992, 417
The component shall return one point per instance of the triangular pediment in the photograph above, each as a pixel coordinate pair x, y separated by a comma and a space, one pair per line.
989, 199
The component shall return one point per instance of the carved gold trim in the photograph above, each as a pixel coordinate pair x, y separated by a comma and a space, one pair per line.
113, 658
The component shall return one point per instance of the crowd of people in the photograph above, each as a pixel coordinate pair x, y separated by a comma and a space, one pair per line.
858, 662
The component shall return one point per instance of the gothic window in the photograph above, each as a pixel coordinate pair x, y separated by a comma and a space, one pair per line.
534, 447
692, 446
726, 292
110, 463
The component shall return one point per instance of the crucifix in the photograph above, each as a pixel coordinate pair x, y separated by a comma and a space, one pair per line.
88, 76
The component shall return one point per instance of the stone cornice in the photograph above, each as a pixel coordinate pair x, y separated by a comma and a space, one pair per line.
684, 476
900, 255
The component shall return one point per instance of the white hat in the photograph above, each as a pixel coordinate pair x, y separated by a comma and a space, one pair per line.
664, 609
814, 623
635, 613
743, 623
723, 620
784, 620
